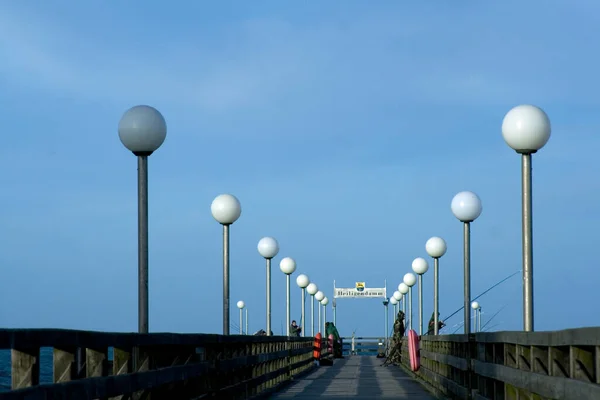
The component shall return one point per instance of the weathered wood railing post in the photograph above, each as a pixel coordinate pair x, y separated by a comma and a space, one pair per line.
25, 370
63, 365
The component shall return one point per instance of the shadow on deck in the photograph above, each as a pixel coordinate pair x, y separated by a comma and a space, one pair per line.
355, 377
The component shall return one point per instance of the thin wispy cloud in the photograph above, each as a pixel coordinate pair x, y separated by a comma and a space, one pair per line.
264, 60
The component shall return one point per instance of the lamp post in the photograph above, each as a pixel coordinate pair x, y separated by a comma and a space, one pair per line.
319, 296
475, 306
142, 130
334, 307
403, 289
410, 280
394, 302
386, 301
247, 322
226, 209
268, 248
398, 296
312, 289
287, 266
241, 305
324, 302
466, 207
526, 129
436, 248
419, 267
302, 281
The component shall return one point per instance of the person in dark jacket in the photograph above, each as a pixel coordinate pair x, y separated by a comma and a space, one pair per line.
295, 329
431, 325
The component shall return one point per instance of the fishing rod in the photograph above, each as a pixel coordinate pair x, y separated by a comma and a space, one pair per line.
460, 325
493, 316
492, 287
488, 329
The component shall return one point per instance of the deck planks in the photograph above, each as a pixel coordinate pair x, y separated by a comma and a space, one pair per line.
355, 377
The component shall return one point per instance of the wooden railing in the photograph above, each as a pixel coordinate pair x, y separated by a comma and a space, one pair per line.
512, 365
163, 365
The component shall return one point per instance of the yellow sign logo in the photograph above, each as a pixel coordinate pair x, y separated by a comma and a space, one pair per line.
360, 286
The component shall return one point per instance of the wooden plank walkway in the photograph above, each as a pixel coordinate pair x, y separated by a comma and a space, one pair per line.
355, 377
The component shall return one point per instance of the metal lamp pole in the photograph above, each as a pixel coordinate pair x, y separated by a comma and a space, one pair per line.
319, 297
324, 303
466, 207
268, 248
436, 248
386, 319
420, 266
226, 209
287, 266
410, 280
142, 130
526, 129
303, 281
241, 306
312, 289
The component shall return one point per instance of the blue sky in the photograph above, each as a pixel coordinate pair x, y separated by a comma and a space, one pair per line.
344, 127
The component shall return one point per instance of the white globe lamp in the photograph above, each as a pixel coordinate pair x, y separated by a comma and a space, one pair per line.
226, 209
526, 129
403, 288
466, 206
268, 248
303, 281
419, 266
436, 248
142, 130
287, 265
409, 280
312, 289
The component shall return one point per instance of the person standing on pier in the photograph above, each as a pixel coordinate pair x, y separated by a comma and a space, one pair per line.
295, 329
